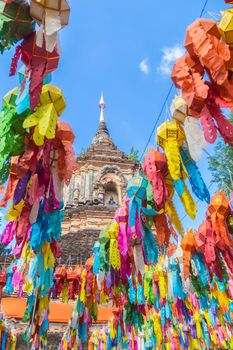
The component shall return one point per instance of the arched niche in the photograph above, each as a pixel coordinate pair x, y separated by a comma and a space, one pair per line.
110, 182
112, 194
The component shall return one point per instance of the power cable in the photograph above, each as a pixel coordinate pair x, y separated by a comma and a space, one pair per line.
166, 99
157, 120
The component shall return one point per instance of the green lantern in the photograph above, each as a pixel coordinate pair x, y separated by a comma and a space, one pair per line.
15, 23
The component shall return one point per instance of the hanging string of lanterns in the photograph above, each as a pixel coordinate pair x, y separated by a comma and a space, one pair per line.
36, 155
182, 283
189, 288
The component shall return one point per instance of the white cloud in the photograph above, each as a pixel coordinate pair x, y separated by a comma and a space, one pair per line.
144, 66
170, 55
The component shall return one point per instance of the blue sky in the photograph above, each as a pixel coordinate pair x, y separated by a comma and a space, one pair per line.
122, 47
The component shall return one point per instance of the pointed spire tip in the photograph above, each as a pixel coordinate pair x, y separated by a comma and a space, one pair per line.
102, 106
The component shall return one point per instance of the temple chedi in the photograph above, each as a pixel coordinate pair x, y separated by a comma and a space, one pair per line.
98, 186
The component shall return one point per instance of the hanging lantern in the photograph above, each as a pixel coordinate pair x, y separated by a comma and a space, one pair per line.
187, 245
12, 134
170, 137
52, 104
51, 15
170, 131
24, 74
23, 99
39, 63
225, 26
54, 95
41, 8
228, 2
15, 23
195, 137
9, 100
208, 26
219, 206
179, 109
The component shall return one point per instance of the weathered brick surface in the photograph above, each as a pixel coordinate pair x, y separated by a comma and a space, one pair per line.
78, 246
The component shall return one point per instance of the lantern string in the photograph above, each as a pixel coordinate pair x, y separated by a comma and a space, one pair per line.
166, 99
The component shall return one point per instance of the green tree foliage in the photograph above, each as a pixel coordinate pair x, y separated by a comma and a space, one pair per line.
134, 155
221, 165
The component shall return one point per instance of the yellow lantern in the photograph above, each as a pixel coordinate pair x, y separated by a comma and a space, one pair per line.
170, 131
44, 119
179, 109
52, 94
171, 136
226, 26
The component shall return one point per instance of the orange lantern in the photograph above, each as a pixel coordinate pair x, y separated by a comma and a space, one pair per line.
219, 206
204, 25
187, 245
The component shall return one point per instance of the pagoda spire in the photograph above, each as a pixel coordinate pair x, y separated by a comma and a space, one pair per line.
102, 136
102, 107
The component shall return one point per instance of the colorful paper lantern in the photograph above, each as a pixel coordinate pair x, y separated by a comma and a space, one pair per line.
39, 9
225, 26
25, 74
52, 104
179, 109
203, 26
170, 136
39, 63
9, 100
51, 15
16, 23
195, 137
219, 206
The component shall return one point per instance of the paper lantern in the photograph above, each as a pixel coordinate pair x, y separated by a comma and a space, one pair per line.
155, 167
228, 2
31, 53
170, 131
25, 74
179, 109
225, 26
206, 25
54, 95
38, 9
51, 15
15, 23
219, 205
170, 136
9, 100
39, 63
52, 104
23, 99
64, 132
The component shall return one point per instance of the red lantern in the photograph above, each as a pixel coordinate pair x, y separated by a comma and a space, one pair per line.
38, 61
3, 278
228, 2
